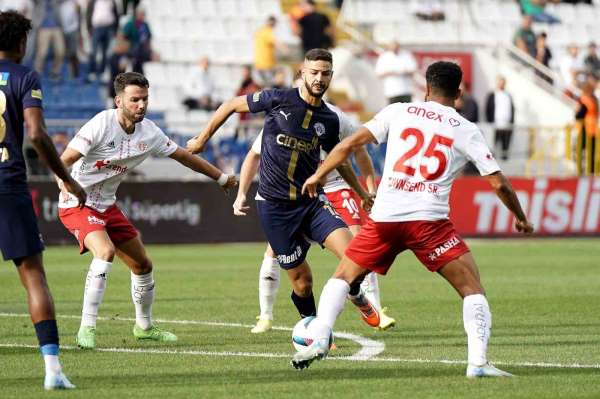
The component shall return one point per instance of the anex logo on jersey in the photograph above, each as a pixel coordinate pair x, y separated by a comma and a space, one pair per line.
297, 144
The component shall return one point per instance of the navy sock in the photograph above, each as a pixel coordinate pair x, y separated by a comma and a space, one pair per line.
47, 334
306, 306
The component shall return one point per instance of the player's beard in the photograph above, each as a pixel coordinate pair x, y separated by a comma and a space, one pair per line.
313, 93
133, 117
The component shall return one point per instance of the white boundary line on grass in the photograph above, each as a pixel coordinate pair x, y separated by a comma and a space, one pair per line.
369, 347
356, 357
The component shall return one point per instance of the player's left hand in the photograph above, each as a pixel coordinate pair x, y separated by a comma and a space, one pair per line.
523, 226
310, 186
367, 201
239, 206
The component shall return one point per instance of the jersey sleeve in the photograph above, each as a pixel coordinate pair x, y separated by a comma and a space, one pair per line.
347, 125
264, 100
256, 146
88, 136
31, 91
379, 126
163, 145
478, 152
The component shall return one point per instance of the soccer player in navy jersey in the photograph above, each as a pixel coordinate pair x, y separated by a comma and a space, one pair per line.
297, 125
20, 239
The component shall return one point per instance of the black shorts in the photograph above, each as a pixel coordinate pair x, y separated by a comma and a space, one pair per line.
289, 225
19, 233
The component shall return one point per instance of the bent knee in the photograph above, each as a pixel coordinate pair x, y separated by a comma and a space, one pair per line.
143, 267
105, 253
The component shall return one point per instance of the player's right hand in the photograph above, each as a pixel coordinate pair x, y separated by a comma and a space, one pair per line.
523, 226
195, 145
239, 206
74, 188
310, 186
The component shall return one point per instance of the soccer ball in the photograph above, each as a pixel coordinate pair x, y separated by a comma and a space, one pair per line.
301, 334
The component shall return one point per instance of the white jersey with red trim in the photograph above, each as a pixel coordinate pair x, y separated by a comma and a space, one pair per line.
109, 153
334, 182
427, 146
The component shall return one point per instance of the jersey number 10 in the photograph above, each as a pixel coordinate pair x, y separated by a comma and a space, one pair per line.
431, 151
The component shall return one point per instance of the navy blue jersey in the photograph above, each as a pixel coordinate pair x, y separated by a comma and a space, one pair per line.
293, 135
19, 89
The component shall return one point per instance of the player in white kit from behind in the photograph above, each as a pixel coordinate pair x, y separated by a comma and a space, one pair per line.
102, 153
428, 144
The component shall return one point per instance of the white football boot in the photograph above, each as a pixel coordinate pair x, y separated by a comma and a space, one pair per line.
487, 370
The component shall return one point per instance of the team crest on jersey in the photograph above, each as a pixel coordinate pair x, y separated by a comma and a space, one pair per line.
319, 129
142, 146
256, 96
4, 78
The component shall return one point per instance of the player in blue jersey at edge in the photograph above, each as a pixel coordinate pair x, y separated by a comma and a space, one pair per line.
20, 240
297, 125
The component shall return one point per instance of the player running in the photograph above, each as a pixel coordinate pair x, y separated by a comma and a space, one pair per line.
297, 125
344, 200
428, 144
102, 153
20, 239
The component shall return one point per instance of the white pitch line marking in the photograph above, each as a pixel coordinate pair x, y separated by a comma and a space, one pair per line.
369, 347
354, 358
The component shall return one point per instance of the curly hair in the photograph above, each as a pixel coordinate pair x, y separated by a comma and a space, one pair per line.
14, 28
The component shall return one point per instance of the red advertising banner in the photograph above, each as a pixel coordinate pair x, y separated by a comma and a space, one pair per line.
465, 60
555, 206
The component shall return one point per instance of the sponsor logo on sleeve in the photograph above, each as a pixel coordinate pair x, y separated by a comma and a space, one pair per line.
256, 96
36, 94
4, 78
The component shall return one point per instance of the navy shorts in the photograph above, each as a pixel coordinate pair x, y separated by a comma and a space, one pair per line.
19, 233
289, 225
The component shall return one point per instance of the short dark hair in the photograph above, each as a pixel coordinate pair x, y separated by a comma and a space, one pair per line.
14, 28
319, 54
130, 79
444, 78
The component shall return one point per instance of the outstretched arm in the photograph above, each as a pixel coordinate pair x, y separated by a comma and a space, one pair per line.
507, 195
336, 157
247, 173
36, 131
237, 104
198, 164
349, 176
365, 166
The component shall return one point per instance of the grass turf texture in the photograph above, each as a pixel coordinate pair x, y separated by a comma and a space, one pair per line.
543, 295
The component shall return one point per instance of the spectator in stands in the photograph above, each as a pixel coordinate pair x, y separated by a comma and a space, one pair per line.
543, 55
571, 66
500, 110
200, 87
396, 67
591, 62
535, 9
50, 33
466, 105
119, 61
280, 81
137, 31
315, 30
429, 10
126, 6
587, 114
525, 38
102, 21
70, 21
247, 86
265, 47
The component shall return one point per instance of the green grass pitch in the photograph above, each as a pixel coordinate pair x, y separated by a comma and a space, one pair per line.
544, 297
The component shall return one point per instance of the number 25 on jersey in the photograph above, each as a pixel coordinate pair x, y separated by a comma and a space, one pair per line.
403, 165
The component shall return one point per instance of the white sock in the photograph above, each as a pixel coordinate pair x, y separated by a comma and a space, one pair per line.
268, 285
95, 285
331, 304
477, 320
52, 364
142, 294
370, 287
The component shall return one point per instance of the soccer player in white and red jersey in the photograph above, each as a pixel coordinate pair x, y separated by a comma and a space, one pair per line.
428, 144
102, 153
